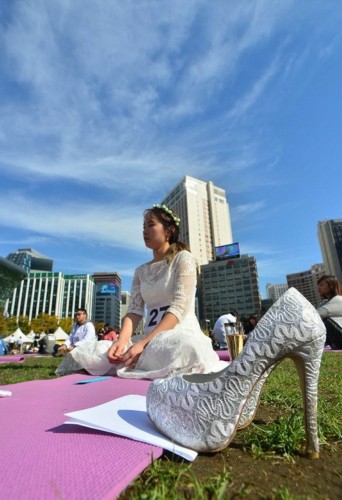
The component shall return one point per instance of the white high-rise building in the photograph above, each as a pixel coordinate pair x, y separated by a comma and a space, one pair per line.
205, 217
330, 240
275, 291
306, 283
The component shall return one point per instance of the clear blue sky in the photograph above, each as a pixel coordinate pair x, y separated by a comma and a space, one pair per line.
106, 105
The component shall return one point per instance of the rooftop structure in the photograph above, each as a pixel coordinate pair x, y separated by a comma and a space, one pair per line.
31, 260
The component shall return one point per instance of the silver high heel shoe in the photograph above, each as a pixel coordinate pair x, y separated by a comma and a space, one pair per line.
203, 412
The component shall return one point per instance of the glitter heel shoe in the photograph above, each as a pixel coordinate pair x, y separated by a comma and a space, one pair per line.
203, 412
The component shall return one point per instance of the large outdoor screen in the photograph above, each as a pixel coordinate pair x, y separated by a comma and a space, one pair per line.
109, 288
224, 252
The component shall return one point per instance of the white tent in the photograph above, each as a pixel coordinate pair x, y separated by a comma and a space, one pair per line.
16, 336
60, 334
31, 335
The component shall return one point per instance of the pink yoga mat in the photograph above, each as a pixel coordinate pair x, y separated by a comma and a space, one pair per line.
223, 355
11, 359
41, 457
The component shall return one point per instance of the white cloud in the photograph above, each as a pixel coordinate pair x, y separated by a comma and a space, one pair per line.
105, 86
111, 225
247, 209
25, 242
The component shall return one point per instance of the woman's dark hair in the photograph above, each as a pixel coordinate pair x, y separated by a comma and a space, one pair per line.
253, 316
333, 284
169, 224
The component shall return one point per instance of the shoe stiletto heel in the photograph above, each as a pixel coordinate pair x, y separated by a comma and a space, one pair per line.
308, 372
203, 412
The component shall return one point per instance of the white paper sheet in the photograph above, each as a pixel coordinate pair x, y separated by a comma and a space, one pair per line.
127, 417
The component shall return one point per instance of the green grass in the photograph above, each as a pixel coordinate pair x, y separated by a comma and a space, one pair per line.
285, 436
281, 391
171, 480
282, 438
33, 368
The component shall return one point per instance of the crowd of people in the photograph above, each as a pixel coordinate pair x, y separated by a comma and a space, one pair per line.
108, 333
173, 341
16, 344
330, 311
230, 324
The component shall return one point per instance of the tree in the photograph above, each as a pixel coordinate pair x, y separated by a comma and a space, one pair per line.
66, 324
44, 322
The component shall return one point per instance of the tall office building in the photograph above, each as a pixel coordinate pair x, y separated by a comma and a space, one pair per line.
204, 213
275, 291
31, 260
78, 292
108, 298
306, 283
10, 276
51, 293
229, 285
125, 302
330, 240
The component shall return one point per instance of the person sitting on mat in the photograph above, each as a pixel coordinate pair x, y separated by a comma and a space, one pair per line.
109, 333
224, 325
173, 341
83, 331
331, 309
251, 323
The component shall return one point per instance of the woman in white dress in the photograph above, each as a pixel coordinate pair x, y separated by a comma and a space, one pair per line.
172, 341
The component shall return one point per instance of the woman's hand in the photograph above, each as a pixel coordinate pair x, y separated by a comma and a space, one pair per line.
116, 351
63, 349
119, 348
130, 358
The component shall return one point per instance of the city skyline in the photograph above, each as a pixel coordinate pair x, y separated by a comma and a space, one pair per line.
106, 106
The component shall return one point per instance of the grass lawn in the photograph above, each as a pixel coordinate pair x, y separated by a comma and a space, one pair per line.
263, 461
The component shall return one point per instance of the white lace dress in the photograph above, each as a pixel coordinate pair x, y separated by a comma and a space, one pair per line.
157, 287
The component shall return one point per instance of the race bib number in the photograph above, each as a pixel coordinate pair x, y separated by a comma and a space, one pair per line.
155, 316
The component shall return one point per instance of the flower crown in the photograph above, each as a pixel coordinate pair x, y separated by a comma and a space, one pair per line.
169, 212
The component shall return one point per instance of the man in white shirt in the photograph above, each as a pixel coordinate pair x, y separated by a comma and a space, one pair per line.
82, 331
11, 343
220, 331
20, 343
